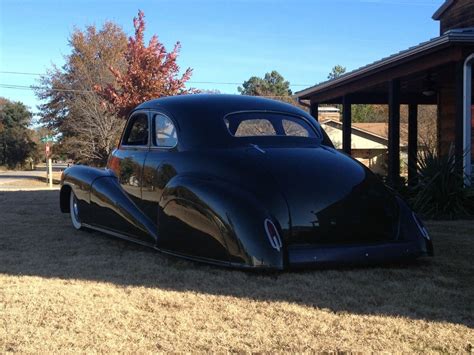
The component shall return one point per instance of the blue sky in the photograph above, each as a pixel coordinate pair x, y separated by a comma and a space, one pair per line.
224, 41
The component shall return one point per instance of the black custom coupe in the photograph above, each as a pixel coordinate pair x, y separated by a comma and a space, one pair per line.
244, 182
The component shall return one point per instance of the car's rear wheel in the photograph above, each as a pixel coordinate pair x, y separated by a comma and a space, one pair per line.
74, 211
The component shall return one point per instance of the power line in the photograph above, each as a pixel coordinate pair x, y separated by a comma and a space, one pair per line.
7, 86
19, 73
190, 82
73, 91
25, 87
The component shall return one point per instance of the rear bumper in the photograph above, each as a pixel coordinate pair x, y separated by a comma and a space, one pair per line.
302, 256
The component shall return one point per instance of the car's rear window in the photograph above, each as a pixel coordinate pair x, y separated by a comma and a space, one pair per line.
254, 124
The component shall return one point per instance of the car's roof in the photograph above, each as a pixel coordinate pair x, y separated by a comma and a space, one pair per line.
200, 116
220, 103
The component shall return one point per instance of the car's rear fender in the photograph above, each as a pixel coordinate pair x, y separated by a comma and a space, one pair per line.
238, 219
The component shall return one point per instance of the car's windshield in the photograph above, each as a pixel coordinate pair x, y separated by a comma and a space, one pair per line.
258, 124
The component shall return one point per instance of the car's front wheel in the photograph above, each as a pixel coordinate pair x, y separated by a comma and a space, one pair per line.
74, 211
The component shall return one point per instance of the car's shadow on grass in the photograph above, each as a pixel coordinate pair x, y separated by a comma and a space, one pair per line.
37, 240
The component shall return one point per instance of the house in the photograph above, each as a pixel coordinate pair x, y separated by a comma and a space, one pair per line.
329, 112
369, 142
436, 72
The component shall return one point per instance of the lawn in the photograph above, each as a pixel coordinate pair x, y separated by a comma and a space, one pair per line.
62, 290
22, 183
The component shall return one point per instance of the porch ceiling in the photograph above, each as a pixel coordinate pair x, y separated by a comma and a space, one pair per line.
414, 89
428, 64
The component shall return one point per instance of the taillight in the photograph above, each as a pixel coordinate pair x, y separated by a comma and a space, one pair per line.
272, 234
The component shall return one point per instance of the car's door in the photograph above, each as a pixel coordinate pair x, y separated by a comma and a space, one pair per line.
160, 163
130, 156
183, 227
127, 162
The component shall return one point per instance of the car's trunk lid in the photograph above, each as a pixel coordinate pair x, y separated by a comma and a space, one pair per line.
331, 197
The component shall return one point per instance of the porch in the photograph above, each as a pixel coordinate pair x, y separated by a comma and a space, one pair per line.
437, 72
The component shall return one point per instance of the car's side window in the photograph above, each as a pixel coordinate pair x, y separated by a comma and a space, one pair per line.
165, 132
137, 131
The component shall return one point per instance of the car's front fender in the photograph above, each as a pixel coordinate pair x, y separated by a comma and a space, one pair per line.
79, 179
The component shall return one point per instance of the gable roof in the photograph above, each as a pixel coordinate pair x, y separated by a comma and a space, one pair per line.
437, 15
376, 131
328, 109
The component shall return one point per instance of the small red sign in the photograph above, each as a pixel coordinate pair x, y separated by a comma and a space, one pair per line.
47, 150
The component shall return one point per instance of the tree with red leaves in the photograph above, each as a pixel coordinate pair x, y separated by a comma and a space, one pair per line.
150, 72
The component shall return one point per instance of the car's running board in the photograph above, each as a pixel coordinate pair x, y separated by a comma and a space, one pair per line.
118, 235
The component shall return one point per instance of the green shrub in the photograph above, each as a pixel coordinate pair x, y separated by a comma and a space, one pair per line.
440, 192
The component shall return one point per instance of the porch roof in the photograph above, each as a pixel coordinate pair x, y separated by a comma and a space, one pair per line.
419, 58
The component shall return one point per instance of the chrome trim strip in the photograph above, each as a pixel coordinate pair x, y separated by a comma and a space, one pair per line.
118, 235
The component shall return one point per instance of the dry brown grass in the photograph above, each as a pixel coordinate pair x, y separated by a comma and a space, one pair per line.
62, 290
11, 181
22, 183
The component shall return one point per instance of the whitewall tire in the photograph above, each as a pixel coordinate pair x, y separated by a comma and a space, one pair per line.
74, 211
